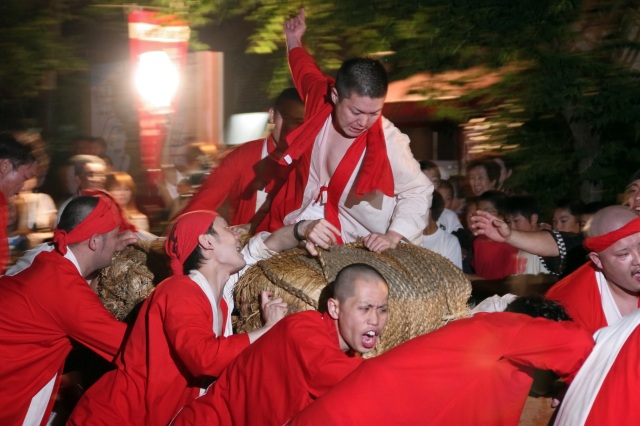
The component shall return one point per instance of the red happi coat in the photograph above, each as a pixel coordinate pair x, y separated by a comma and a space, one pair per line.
475, 371
298, 360
579, 295
46, 308
374, 173
238, 177
170, 353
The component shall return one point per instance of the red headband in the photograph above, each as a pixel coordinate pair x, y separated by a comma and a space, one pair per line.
183, 238
126, 225
103, 218
605, 241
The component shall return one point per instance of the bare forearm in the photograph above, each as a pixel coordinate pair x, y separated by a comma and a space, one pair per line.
540, 243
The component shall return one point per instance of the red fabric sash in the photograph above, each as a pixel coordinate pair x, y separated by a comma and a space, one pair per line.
375, 172
105, 217
183, 238
603, 242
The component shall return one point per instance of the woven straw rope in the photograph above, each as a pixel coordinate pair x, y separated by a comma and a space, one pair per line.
425, 289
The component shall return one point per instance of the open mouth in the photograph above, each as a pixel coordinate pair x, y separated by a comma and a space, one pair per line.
369, 339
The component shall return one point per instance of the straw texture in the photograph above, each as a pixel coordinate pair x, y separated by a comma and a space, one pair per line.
132, 276
425, 290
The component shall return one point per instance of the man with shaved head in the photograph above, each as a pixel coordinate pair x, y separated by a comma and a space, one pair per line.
299, 359
607, 288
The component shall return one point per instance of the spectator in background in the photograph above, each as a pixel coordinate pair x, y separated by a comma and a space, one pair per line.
431, 171
449, 219
437, 239
483, 175
493, 260
465, 236
505, 172
460, 193
123, 189
566, 216
521, 214
89, 172
17, 165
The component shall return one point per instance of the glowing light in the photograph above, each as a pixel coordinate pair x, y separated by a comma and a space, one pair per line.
156, 79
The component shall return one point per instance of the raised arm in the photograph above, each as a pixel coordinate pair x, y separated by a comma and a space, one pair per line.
540, 243
294, 29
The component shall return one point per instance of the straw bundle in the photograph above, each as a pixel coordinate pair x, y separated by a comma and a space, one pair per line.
132, 276
425, 290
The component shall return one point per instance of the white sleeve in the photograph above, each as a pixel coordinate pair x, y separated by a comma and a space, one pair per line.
412, 188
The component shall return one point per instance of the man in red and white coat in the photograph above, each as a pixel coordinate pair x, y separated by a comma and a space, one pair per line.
605, 391
248, 173
607, 288
49, 305
182, 338
299, 359
352, 166
473, 371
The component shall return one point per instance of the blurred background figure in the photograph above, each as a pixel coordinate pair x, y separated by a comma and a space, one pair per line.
17, 164
89, 172
431, 171
566, 216
483, 175
123, 189
437, 239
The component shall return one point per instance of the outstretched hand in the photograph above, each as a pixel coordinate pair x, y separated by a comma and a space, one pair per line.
294, 29
484, 223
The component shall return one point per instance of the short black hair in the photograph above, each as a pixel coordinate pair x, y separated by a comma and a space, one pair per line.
343, 284
526, 205
437, 205
492, 168
575, 207
288, 94
429, 165
536, 306
17, 151
195, 259
362, 76
497, 198
76, 211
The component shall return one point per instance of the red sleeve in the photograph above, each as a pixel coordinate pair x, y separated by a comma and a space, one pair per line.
312, 85
561, 347
187, 324
218, 185
83, 317
333, 367
578, 293
323, 362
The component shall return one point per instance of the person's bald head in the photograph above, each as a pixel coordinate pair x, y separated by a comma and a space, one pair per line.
345, 282
610, 219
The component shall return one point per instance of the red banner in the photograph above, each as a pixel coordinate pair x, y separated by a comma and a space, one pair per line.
158, 46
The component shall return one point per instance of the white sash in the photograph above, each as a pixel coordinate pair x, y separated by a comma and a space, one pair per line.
582, 393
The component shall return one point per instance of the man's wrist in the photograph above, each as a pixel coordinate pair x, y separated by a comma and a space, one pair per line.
394, 236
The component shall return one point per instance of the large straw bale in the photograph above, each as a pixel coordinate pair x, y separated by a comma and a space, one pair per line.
425, 290
132, 276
